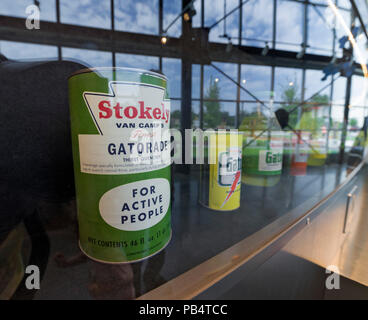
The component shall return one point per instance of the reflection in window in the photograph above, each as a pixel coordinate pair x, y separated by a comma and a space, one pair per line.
90, 58
137, 16
337, 117
289, 25
217, 114
354, 136
287, 90
172, 70
320, 1
226, 88
175, 113
171, 9
17, 8
334, 141
344, 4
287, 87
196, 81
320, 26
314, 84
214, 11
339, 90
340, 30
91, 13
256, 79
356, 118
355, 140
195, 114
363, 9
136, 61
362, 44
196, 20
257, 22
252, 117
20, 50
358, 91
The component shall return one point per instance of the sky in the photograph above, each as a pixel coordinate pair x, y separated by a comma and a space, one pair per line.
141, 16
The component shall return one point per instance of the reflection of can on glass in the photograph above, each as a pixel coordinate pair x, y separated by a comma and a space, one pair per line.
121, 151
300, 156
262, 159
222, 177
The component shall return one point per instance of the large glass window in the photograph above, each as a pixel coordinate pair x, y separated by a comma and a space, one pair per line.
136, 61
359, 91
89, 13
339, 91
90, 58
257, 23
257, 80
196, 81
315, 85
226, 88
342, 22
219, 96
172, 70
21, 50
288, 85
288, 164
18, 8
228, 27
171, 10
289, 25
136, 16
320, 30
196, 20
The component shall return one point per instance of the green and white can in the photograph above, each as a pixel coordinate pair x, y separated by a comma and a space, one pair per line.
121, 150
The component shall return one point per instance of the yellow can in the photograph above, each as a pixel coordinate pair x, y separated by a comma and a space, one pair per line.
225, 151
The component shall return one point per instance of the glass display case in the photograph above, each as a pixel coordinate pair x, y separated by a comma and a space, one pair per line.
288, 75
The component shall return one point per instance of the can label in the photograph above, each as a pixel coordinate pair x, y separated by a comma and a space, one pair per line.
133, 131
225, 174
264, 157
270, 160
121, 150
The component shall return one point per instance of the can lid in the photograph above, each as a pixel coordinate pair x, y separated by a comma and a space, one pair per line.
136, 70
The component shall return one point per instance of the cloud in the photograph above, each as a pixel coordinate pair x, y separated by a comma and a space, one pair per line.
136, 61
289, 24
137, 16
257, 19
90, 13
313, 83
214, 11
90, 58
21, 51
359, 91
319, 33
172, 70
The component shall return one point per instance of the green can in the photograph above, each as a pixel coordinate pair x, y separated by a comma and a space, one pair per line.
121, 151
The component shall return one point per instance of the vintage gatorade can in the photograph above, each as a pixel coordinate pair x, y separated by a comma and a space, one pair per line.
224, 171
262, 159
121, 150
